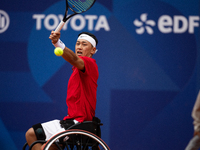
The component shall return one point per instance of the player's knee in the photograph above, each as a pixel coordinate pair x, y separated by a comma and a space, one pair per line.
30, 133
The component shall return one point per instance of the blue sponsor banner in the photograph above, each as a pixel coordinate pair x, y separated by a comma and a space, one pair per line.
148, 60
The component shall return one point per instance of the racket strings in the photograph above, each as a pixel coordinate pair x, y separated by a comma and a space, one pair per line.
78, 6
81, 6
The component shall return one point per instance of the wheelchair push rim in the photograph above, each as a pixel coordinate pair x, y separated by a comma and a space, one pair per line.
75, 132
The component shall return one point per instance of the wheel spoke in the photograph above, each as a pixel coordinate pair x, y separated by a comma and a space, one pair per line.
78, 140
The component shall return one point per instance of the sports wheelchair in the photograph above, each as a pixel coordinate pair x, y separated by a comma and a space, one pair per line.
81, 136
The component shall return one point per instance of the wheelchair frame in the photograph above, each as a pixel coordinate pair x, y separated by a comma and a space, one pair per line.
81, 136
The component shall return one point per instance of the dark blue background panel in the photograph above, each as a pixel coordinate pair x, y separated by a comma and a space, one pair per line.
132, 111
13, 57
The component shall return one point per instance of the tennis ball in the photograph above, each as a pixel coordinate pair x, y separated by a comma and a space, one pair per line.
58, 51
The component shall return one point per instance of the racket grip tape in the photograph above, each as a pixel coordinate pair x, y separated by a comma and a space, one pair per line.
60, 26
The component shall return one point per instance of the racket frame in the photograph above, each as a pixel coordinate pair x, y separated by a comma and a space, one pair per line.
65, 18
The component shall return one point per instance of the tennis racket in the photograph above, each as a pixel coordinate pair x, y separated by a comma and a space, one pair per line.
77, 7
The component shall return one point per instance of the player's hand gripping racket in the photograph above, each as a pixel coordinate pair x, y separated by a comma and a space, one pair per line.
77, 6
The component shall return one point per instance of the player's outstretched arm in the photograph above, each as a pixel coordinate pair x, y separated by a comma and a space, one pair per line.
68, 54
73, 59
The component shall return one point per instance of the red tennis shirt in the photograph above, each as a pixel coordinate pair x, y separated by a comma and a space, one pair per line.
81, 91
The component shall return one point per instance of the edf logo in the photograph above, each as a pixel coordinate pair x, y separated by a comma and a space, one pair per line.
167, 24
4, 21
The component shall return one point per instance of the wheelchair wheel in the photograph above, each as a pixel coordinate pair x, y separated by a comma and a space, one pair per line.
76, 139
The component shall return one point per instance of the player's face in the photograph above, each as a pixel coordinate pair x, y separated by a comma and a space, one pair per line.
84, 48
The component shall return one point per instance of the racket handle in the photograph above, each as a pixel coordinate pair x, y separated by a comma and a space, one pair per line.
60, 26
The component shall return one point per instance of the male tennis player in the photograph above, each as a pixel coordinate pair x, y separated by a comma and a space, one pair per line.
82, 87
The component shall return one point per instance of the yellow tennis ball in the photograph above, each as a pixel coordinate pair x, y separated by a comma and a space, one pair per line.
58, 51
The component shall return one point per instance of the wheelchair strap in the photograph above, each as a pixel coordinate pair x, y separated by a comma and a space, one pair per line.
39, 131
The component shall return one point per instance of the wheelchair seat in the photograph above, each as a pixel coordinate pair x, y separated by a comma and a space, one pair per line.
90, 126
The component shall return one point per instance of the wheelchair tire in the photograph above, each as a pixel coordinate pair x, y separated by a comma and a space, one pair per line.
75, 139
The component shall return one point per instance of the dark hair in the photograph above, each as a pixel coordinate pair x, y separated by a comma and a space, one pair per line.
90, 34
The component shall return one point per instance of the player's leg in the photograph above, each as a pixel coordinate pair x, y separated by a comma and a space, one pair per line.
31, 137
42, 132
